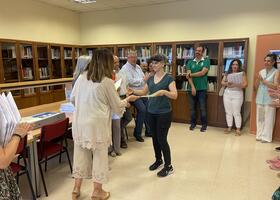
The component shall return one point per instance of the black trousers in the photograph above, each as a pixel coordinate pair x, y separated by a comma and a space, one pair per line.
159, 125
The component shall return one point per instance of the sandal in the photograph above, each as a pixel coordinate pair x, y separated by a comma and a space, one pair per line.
98, 197
227, 130
75, 194
238, 133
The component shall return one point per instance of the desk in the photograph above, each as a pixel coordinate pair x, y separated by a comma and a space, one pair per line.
32, 138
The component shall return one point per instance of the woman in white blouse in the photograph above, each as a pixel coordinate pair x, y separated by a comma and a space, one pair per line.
233, 96
95, 98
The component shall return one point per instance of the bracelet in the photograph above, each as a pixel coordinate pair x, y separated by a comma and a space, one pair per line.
17, 135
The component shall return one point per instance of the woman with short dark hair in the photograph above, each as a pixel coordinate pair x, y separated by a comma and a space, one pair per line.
161, 87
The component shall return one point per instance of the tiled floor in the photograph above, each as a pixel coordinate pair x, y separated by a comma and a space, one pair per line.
208, 166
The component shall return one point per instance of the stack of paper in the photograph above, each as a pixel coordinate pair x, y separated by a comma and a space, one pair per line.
236, 78
9, 117
67, 108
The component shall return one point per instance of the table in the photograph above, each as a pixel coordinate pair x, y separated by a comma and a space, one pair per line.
32, 141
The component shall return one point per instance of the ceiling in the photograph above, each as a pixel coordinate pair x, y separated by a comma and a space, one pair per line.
105, 4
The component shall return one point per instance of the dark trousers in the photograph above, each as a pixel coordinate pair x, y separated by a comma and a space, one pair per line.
159, 125
141, 117
200, 98
126, 118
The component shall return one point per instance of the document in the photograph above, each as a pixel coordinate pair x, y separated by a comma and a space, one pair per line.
236, 78
118, 84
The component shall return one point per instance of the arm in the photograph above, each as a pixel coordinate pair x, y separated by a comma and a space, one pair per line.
257, 82
7, 153
275, 81
224, 81
191, 82
142, 92
172, 93
201, 73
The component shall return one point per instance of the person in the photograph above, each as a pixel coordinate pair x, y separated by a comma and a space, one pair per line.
82, 63
233, 96
9, 189
95, 98
136, 79
162, 88
267, 78
197, 70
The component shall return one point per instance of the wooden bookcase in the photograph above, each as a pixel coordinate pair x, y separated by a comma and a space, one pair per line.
22, 61
53, 61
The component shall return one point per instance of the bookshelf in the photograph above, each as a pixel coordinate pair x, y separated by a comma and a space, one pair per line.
9, 59
167, 51
68, 62
54, 61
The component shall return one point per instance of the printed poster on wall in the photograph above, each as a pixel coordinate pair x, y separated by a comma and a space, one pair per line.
277, 52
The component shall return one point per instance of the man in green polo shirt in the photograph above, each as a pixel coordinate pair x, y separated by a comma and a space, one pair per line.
197, 70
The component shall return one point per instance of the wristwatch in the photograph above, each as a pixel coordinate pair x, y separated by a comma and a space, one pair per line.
17, 135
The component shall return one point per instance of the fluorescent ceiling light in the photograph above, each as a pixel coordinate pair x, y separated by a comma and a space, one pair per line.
85, 1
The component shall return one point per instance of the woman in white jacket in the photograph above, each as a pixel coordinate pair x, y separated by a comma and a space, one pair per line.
233, 96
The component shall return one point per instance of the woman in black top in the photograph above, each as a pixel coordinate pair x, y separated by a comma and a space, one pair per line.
161, 88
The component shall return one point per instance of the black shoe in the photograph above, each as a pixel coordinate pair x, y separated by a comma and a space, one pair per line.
192, 127
277, 148
148, 135
165, 171
124, 145
155, 165
139, 138
203, 128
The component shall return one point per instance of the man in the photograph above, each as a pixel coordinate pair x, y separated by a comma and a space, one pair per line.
136, 80
197, 70
127, 117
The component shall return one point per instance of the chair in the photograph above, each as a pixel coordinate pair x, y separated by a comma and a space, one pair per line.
51, 145
19, 169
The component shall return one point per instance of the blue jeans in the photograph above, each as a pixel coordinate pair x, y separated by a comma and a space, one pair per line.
141, 117
200, 97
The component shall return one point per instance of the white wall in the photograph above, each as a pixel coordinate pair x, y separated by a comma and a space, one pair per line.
36, 21
190, 20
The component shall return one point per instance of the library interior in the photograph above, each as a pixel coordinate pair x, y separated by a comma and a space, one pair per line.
174, 99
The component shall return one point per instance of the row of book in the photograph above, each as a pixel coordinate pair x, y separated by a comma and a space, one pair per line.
167, 51
67, 53
27, 73
44, 72
9, 52
144, 52
123, 52
55, 53
26, 52
184, 53
168, 68
233, 52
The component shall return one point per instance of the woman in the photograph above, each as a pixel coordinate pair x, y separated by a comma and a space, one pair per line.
162, 88
8, 187
267, 78
82, 63
95, 98
233, 96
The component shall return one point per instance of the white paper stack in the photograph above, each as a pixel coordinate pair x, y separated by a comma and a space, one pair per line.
236, 78
67, 108
9, 117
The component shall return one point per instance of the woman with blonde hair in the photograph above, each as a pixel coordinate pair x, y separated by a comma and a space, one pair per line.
95, 98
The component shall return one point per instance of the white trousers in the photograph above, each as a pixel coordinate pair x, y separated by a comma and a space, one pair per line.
265, 122
89, 163
233, 101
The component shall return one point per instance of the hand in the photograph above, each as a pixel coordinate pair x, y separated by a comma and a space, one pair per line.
23, 128
129, 91
230, 84
128, 105
187, 75
275, 103
132, 98
146, 77
159, 93
193, 91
